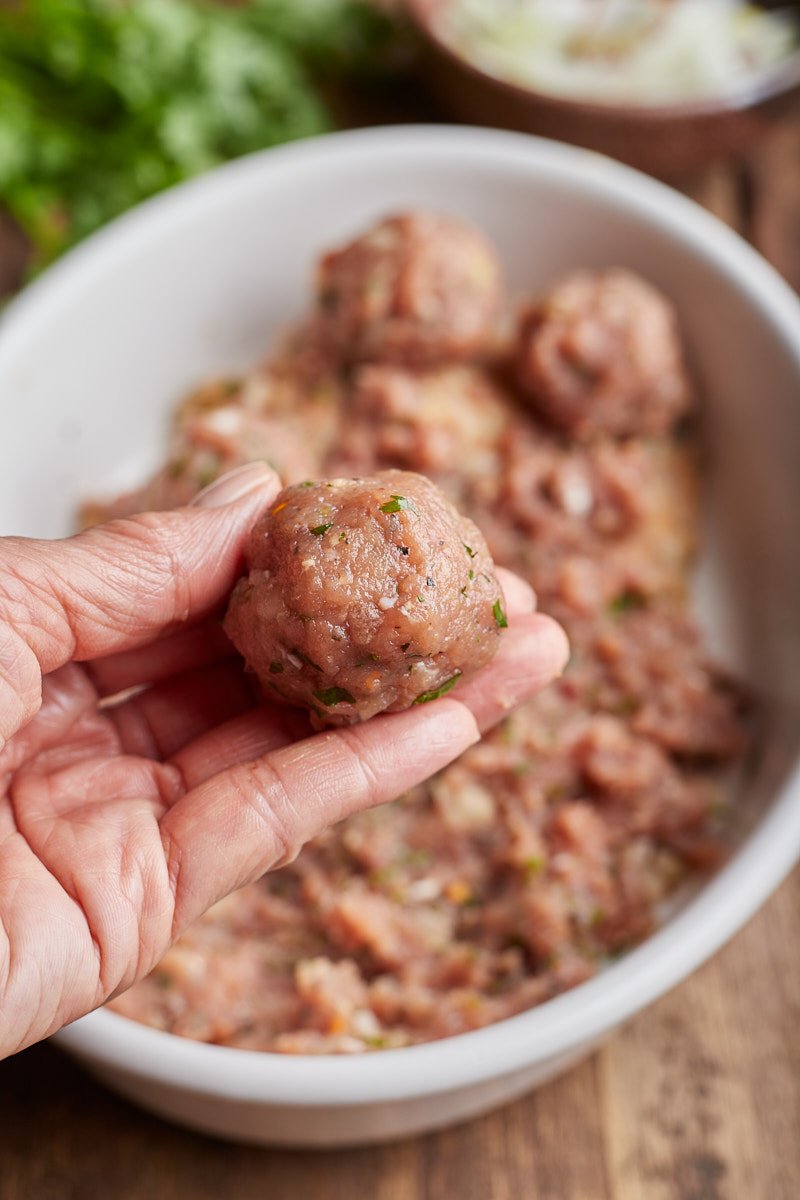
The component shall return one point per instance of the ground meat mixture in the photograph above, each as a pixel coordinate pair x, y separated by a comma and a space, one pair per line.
418, 288
365, 596
546, 850
286, 414
600, 354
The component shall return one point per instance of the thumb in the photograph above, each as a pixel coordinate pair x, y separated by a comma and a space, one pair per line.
119, 585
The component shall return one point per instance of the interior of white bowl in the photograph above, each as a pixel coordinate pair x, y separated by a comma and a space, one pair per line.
94, 355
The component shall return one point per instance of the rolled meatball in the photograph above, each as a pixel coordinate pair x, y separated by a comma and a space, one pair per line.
365, 596
416, 290
445, 422
601, 354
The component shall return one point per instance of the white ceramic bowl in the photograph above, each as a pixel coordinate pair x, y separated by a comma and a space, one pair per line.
92, 357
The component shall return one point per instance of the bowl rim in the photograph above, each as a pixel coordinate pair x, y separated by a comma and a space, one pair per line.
775, 82
111, 1042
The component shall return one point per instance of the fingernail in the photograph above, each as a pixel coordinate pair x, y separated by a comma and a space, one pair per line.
538, 651
453, 724
554, 648
234, 486
520, 596
530, 598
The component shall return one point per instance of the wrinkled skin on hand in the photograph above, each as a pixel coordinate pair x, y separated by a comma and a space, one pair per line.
125, 814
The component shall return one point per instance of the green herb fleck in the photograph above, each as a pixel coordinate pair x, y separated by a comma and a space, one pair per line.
318, 530
533, 865
309, 662
625, 602
416, 858
103, 103
276, 668
343, 536
397, 504
472, 553
500, 618
334, 695
471, 574
177, 467
307, 483
435, 693
209, 471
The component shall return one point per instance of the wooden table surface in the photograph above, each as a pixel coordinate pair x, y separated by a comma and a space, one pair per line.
696, 1099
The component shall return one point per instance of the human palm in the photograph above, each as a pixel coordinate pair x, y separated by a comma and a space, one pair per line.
141, 779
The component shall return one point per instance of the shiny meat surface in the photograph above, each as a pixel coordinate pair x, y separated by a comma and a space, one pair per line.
365, 596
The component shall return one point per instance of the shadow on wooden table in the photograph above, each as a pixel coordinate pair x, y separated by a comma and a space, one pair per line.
64, 1137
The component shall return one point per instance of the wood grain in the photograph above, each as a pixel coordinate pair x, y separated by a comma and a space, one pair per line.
697, 1099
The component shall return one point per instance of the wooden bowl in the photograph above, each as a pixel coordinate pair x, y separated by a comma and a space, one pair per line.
666, 140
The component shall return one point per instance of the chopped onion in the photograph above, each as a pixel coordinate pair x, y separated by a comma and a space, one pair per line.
635, 51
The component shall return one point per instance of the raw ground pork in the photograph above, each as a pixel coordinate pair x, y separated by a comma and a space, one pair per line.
544, 851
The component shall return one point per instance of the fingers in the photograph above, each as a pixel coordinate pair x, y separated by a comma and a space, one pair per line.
158, 722
20, 683
120, 585
271, 794
206, 643
242, 822
533, 652
242, 739
198, 646
66, 695
519, 595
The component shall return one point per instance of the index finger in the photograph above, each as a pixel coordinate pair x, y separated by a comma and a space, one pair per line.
120, 585
259, 814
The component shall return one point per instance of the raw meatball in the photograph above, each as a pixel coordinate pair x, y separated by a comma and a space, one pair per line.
601, 354
364, 596
418, 289
445, 422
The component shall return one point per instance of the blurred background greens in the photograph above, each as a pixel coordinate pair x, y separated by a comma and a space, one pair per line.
105, 102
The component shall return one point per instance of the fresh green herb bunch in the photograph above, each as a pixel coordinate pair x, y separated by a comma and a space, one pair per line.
104, 102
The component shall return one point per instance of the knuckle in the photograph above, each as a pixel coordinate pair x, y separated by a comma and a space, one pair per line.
20, 683
364, 784
158, 563
261, 787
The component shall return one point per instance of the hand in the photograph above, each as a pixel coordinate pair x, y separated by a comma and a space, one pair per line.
124, 817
